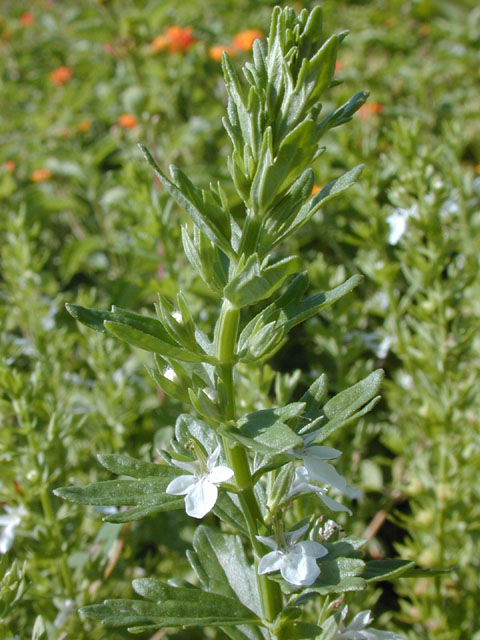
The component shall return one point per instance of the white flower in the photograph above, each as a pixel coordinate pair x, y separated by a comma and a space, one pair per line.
199, 488
296, 561
10, 522
313, 457
66, 610
397, 221
170, 374
301, 484
357, 630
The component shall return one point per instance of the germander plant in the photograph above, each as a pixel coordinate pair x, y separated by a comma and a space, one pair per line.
267, 563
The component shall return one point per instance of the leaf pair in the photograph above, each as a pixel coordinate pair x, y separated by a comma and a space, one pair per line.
140, 331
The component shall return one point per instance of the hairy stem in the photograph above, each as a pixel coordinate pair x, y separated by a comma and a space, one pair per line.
226, 342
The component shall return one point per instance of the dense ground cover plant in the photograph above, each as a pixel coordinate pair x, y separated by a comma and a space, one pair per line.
275, 125
83, 229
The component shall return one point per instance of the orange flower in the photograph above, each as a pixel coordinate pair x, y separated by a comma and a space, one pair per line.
243, 41
316, 189
26, 19
10, 165
127, 121
158, 44
215, 53
40, 175
338, 66
84, 126
174, 39
477, 168
179, 39
61, 76
369, 109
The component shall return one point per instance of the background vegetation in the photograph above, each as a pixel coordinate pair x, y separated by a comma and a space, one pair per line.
83, 221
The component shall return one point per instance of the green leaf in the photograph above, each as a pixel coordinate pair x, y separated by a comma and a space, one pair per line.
266, 432
92, 318
170, 607
296, 152
188, 197
222, 568
289, 310
342, 408
339, 575
314, 396
286, 209
146, 494
387, 569
419, 572
330, 191
226, 509
256, 282
123, 465
149, 342
344, 113
135, 329
295, 630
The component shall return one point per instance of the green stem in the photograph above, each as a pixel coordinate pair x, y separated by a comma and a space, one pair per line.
226, 342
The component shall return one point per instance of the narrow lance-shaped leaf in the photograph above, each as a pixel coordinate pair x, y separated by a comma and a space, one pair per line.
185, 196
256, 282
170, 607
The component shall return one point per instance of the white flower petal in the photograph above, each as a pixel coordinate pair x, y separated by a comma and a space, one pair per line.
272, 561
299, 569
268, 541
186, 466
6, 538
313, 549
324, 472
181, 485
300, 482
333, 504
212, 459
397, 221
323, 453
201, 499
10, 521
375, 634
360, 621
220, 474
293, 536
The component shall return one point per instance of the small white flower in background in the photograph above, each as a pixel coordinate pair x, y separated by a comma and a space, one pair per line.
357, 630
383, 347
397, 221
9, 523
199, 488
66, 610
450, 207
313, 457
406, 381
296, 561
476, 185
301, 484
373, 341
170, 374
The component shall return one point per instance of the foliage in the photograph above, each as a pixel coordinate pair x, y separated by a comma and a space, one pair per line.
83, 223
